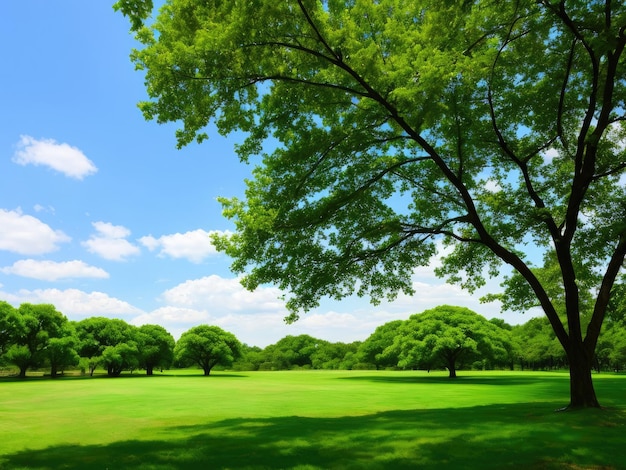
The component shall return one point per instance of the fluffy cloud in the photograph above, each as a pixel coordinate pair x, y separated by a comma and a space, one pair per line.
194, 245
61, 157
53, 271
28, 235
109, 242
74, 303
223, 295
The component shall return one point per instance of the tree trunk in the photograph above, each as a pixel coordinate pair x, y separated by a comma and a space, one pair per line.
23, 370
451, 367
582, 393
149, 370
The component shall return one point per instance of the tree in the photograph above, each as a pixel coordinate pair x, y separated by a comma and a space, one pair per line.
61, 351
329, 355
8, 320
156, 347
292, 352
539, 349
371, 350
495, 129
35, 326
207, 346
446, 335
109, 342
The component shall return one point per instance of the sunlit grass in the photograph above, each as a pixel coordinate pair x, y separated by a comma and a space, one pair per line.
309, 420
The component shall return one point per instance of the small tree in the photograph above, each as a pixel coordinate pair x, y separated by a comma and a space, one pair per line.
446, 335
207, 346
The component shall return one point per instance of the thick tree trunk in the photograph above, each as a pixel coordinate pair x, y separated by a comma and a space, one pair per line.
149, 370
582, 393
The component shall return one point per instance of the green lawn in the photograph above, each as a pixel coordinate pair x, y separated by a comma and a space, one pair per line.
310, 420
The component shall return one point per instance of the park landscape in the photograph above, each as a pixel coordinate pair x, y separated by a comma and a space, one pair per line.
486, 136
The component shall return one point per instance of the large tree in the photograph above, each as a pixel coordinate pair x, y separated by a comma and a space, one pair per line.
389, 128
207, 346
447, 336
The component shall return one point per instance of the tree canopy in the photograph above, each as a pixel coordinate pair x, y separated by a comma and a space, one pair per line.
445, 336
207, 346
389, 129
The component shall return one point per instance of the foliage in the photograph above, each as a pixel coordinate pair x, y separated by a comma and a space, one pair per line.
371, 350
207, 346
34, 326
445, 336
495, 129
7, 325
540, 349
156, 347
109, 342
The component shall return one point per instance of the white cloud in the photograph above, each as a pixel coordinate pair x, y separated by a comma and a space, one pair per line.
74, 303
61, 157
110, 242
194, 245
28, 235
53, 271
223, 295
40, 208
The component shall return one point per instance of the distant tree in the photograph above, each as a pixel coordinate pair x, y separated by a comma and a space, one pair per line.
35, 326
292, 352
116, 337
91, 344
207, 346
8, 320
328, 355
445, 336
611, 351
120, 357
61, 351
371, 350
512, 346
251, 358
156, 347
539, 348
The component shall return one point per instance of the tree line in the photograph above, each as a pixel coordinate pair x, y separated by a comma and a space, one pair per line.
36, 336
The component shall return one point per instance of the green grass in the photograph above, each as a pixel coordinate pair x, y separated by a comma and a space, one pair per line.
310, 420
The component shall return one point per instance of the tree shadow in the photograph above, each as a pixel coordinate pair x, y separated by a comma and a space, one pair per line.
514, 436
498, 380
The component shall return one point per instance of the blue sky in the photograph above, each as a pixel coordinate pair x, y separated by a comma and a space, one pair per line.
101, 215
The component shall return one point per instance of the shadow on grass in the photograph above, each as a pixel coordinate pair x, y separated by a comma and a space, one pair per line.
498, 380
527, 436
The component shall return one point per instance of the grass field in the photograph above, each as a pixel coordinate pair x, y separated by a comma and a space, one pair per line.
310, 420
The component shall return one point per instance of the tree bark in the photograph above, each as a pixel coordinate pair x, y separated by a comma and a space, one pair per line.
149, 370
582, 392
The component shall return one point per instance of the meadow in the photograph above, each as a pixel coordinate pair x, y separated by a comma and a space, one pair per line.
309, 420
